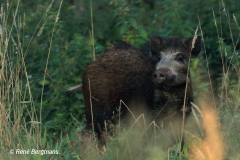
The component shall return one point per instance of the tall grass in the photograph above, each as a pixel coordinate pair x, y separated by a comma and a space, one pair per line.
20, 123
219, 132
16, 101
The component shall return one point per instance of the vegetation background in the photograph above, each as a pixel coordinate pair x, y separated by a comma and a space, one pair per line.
45, 46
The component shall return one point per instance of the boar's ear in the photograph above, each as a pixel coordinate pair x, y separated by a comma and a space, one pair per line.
155, 43
194, 43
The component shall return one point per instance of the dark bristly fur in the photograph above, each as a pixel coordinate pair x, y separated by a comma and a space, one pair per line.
119, 44
151, 80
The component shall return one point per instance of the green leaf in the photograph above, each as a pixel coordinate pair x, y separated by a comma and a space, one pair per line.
195, 63
133, 23
42, 82
124, 29
142, 33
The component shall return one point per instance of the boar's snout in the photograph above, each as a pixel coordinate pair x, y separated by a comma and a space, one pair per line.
159, 76
163, 77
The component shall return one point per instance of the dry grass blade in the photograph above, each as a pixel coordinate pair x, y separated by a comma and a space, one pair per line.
211, 146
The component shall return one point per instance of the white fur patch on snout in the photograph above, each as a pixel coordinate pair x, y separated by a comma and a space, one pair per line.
159, 66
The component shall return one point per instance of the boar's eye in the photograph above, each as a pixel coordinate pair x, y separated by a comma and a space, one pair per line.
180, 58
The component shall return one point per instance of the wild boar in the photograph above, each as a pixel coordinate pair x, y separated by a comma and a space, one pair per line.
152, 80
